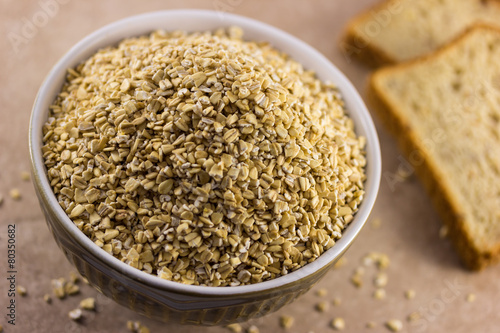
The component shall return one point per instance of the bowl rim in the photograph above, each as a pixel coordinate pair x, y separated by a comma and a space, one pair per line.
114, 31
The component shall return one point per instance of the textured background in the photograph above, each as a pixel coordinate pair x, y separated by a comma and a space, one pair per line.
409, 231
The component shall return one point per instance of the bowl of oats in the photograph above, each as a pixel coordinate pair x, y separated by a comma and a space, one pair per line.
201, 167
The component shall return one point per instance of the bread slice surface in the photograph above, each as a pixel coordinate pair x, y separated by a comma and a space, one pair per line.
400, 30
445, 112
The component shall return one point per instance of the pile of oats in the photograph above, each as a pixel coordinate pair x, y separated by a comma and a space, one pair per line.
204, 159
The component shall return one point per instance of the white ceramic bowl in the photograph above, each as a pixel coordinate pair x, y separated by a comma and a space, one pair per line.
171, 301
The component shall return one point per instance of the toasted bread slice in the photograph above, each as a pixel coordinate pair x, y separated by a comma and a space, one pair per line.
400, 30
444, 110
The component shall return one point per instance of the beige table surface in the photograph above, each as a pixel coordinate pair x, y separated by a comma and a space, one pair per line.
409, 231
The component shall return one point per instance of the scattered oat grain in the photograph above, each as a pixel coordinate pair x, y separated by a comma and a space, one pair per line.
337, 301
394, 325
380, 259
15, 194
471, 298
88, 303
379, 294
383, 261
58, 287
410, 294
235, 328
22, 291
75, 314
380, 280
338, 324
321, 292
71, 289
357, 280
367, 260
253, 329
286, 321
322, 306
131, 325
47, 298
25, 175
137, 327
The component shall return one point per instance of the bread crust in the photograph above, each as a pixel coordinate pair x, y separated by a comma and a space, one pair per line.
474, 256
356, 46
